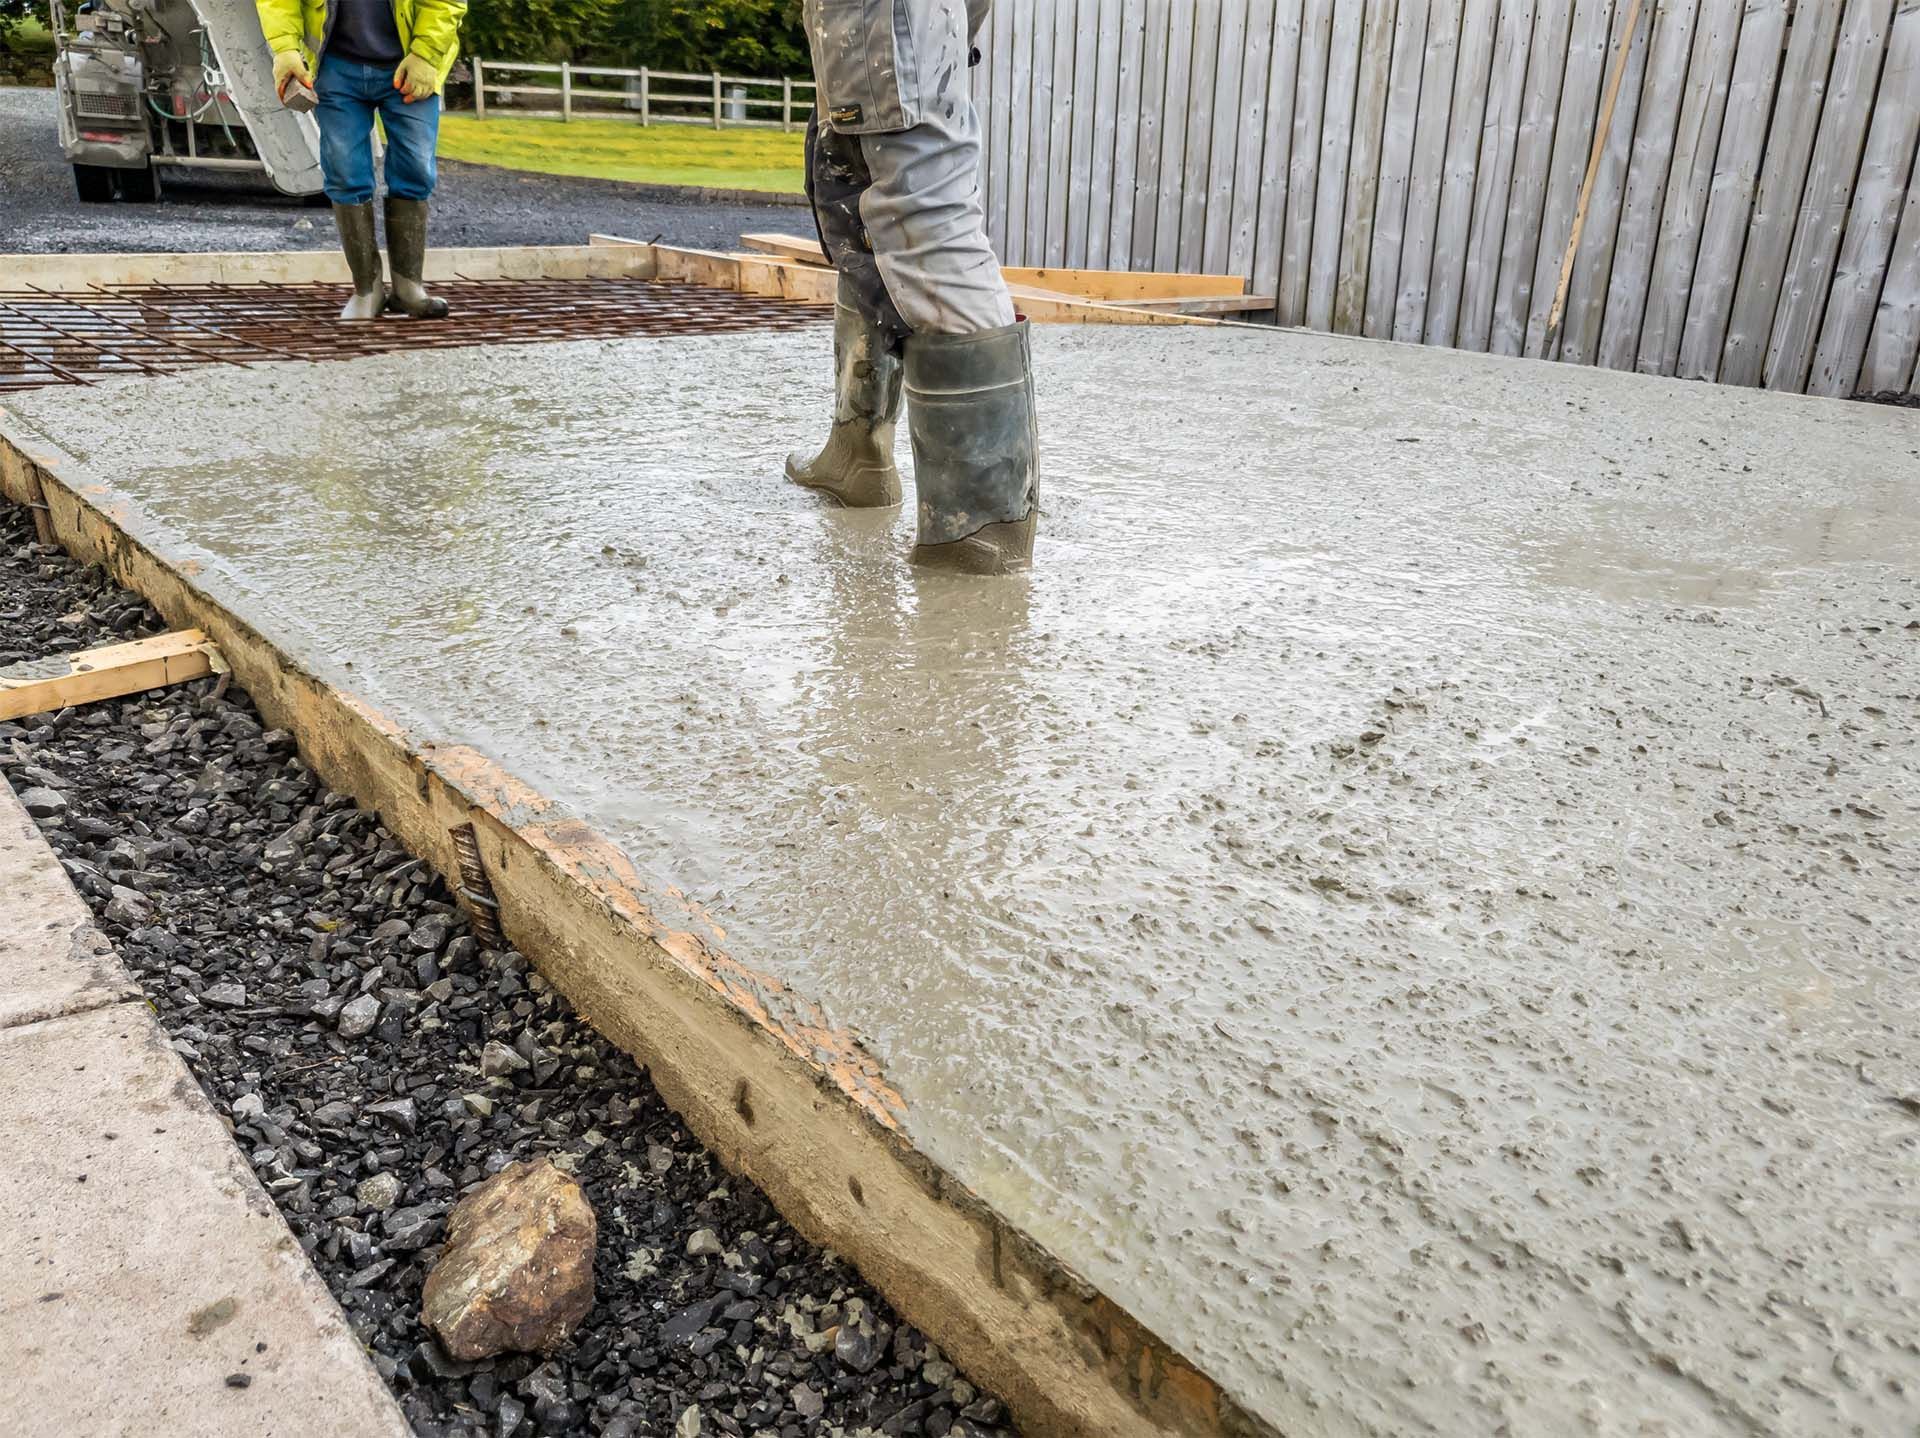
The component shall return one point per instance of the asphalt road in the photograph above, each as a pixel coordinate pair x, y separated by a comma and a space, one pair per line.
475, 205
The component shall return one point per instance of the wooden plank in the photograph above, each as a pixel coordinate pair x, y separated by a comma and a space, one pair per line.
1196, 167
1091, 244
1429, 160
1037, 104
1060, 141
1539, 118
792, 247
1363, 165
1894, 348
1682, 213
1229, 130
1153, 113
1336, 144
1208, 305
1452, 226
810, 281
1173, 140
1828, 194
66, 273
1276, 162
1093, 284
40, 686
1067, 102
1019, 44
1396, 167
1493, 177
997, 115
1256, 80
1776, 204
36, 503
1736, 175
1615, 125
1086, 116
1669, 49
1309, 104
1887, 170
1126, 132
1587, 54
1042, 307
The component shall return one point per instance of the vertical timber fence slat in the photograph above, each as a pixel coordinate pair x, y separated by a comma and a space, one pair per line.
1411, 169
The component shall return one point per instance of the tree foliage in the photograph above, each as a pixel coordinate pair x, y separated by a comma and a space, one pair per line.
14, 13
738, 37
531, 29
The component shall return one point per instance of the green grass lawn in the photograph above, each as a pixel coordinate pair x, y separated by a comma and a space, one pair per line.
624, 150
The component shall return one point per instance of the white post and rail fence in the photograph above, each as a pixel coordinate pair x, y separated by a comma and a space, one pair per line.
612, 92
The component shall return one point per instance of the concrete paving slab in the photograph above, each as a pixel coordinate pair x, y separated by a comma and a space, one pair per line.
52, 959
1415, 896
148, 1286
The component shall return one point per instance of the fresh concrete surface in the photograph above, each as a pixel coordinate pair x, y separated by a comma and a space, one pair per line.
141, 1264
1415, 896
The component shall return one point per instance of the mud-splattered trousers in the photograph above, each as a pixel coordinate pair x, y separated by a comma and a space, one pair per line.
893, 164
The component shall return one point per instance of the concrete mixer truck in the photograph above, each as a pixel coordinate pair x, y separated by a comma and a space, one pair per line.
152, 86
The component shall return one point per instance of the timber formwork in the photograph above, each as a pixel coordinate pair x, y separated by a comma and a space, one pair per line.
791, 1102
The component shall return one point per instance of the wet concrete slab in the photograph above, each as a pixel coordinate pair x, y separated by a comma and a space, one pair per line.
147, 1283
1415, 896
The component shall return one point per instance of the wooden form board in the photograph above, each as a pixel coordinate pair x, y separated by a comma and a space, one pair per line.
41, 686
647, 969
1411, 169
75, 272
1050, 293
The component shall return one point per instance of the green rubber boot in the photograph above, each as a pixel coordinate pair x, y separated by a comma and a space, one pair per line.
407, 257
355, 223
856, 467
976, 445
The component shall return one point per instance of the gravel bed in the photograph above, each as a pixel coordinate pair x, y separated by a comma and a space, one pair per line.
376, 1063
474, 205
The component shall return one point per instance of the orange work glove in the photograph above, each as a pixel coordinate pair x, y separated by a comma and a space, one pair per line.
416, 79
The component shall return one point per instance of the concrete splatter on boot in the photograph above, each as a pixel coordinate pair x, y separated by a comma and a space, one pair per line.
355, 223
407, 257
976, 444
856, 467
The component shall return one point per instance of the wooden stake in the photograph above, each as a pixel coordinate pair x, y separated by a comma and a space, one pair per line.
40, 686
1555, 315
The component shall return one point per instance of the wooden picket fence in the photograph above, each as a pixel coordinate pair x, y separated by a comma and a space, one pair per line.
1413, 169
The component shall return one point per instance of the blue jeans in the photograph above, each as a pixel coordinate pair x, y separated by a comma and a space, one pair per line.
349, 93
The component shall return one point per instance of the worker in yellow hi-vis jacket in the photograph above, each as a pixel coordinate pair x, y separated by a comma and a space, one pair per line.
361, 57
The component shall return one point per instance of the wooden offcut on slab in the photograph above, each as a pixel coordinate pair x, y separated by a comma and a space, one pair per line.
40, 686
1160, 290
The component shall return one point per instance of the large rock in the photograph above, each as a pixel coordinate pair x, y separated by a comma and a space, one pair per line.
517, 1271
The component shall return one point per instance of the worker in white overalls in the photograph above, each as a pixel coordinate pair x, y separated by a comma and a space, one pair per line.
893, 171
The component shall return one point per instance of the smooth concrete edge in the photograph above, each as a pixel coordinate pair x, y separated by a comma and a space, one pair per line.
1065, 1358
71, 273
191, 1184
53, 961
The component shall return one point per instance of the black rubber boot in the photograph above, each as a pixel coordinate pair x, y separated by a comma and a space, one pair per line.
856, 467
976, 449
355, 223
407, 258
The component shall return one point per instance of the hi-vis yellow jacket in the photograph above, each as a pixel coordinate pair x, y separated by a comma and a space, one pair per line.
428, 28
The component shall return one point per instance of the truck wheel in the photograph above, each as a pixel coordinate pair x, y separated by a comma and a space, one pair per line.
94, 182
140, 186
